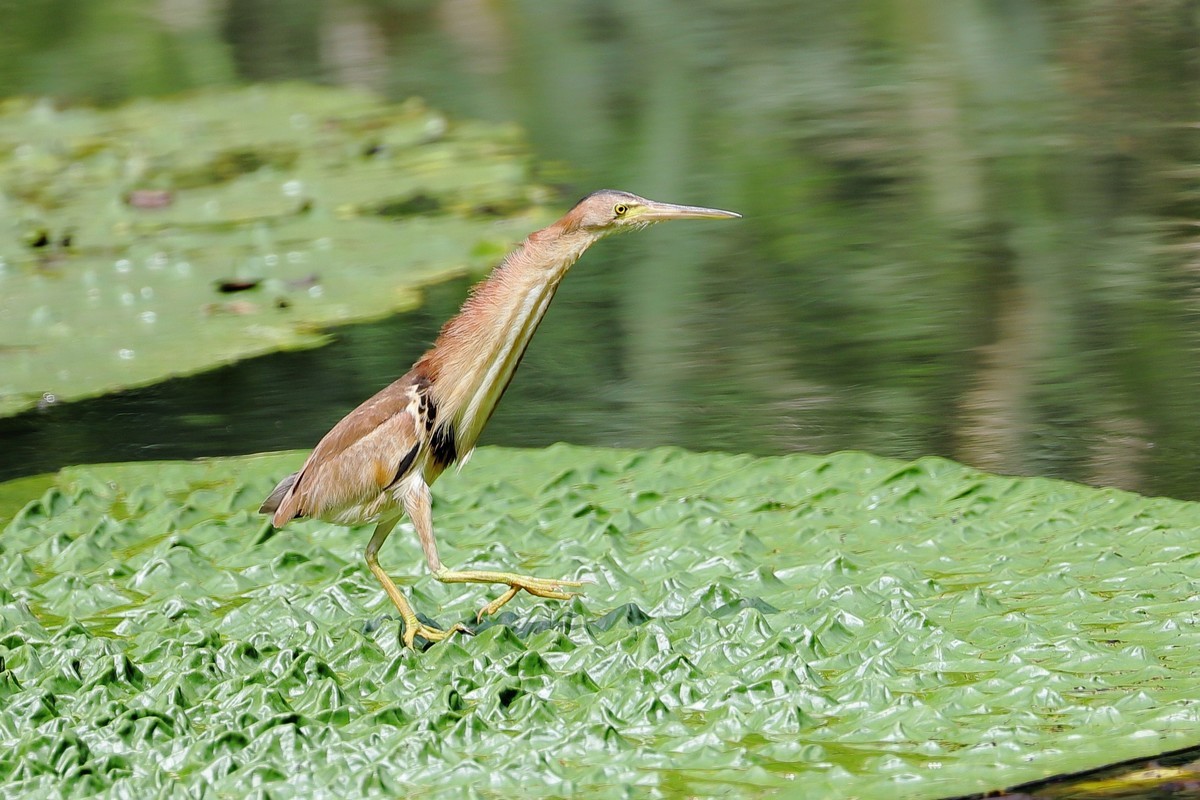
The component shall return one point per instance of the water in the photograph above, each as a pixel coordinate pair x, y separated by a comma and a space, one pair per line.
970, 228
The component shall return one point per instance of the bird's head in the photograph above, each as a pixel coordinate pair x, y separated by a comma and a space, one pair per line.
609, 211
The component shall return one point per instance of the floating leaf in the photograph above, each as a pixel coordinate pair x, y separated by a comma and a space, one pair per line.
123, 227
932, 631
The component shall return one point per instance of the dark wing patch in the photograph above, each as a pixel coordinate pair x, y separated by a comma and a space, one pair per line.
442, 448
404, 466
430, 411
426, 407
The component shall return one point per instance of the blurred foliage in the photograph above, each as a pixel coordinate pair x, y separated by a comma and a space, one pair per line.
824, 627
110, 50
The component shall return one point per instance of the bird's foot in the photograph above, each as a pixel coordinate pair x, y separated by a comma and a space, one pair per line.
550, 588
414, 628
539, 587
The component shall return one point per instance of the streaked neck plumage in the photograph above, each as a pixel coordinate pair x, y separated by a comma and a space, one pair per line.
474, 357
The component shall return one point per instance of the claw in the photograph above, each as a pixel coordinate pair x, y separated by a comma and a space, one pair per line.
494, 606
417, 628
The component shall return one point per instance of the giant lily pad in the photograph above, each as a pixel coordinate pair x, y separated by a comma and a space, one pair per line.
116, 227
845, 626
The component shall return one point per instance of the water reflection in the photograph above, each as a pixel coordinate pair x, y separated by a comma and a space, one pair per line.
970, 227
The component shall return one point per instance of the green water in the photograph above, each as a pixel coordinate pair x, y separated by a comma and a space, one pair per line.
970, 226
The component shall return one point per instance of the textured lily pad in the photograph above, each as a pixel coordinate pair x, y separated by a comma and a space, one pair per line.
119, 226
841, 626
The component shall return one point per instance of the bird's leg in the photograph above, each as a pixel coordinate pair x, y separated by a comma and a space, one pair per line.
417, 504
412, 626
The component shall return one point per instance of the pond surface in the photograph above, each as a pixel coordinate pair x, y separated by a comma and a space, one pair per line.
970, 229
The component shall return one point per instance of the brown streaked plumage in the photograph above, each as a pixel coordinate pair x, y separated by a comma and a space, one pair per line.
378, 463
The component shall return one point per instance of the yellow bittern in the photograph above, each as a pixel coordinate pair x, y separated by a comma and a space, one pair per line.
378, 463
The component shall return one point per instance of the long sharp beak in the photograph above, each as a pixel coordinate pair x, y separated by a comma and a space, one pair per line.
656, 212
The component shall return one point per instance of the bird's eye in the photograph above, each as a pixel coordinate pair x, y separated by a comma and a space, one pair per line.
619, 209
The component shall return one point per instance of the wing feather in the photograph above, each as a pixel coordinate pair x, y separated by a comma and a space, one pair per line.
370, 450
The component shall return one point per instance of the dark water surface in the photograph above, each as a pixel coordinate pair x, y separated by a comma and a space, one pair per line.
970, 228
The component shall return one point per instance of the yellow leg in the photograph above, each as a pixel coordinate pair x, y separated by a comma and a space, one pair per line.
417, 504
413, 627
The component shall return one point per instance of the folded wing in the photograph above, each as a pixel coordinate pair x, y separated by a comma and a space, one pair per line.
348, 475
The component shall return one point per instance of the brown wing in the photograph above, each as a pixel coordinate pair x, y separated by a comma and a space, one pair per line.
369, 450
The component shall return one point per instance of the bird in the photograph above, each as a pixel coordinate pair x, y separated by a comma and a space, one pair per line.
377, 464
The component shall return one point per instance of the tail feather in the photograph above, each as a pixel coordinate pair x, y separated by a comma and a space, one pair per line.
281, 503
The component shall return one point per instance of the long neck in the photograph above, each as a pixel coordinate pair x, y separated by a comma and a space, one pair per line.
477, 351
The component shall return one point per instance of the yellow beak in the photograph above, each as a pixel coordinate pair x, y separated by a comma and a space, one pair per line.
653, 211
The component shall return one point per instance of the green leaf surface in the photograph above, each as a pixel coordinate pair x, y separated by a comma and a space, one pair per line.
842, 626
116, 227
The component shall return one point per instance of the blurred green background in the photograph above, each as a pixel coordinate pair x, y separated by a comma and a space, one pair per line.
971, 227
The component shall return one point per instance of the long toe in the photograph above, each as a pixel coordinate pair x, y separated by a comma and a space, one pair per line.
549, 588
494, 606
539, 587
